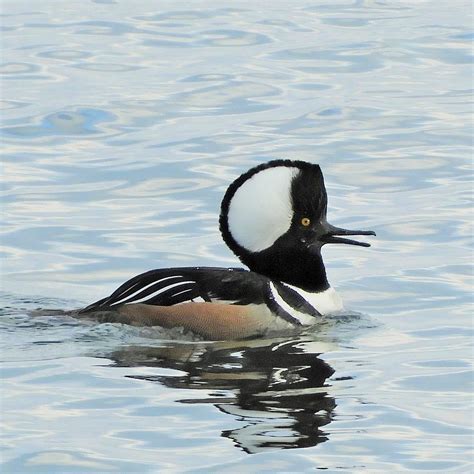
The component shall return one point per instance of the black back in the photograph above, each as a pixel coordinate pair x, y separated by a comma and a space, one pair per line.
169, 286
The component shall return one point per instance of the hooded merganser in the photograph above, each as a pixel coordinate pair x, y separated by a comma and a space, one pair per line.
273, 217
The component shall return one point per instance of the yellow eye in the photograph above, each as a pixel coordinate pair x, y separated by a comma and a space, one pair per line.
305, 221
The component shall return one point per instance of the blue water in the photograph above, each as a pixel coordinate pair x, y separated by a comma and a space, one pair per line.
122, 125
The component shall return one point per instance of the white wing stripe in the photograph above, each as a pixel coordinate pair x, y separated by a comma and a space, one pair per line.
153, 294
142, 288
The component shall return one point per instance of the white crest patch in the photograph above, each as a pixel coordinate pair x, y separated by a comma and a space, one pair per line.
260, 211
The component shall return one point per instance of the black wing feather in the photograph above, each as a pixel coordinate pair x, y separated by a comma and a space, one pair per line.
169, 286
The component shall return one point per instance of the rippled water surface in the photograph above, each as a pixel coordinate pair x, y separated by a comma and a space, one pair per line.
123, 123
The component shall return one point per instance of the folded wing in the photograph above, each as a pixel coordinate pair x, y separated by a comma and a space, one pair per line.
171, 286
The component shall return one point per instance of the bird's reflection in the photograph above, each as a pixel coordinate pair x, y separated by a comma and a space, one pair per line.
277, 386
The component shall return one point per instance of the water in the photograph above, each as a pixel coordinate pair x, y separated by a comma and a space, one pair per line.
122, 127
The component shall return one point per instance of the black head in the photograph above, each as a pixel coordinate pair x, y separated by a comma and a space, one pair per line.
273, 218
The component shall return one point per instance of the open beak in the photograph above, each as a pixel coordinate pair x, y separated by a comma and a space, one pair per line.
333, 233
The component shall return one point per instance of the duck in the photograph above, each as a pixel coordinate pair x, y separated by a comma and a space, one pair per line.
273, 218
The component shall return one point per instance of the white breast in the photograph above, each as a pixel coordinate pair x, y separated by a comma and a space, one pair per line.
325, 302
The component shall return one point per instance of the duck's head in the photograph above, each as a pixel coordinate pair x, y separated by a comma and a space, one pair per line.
273, 217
